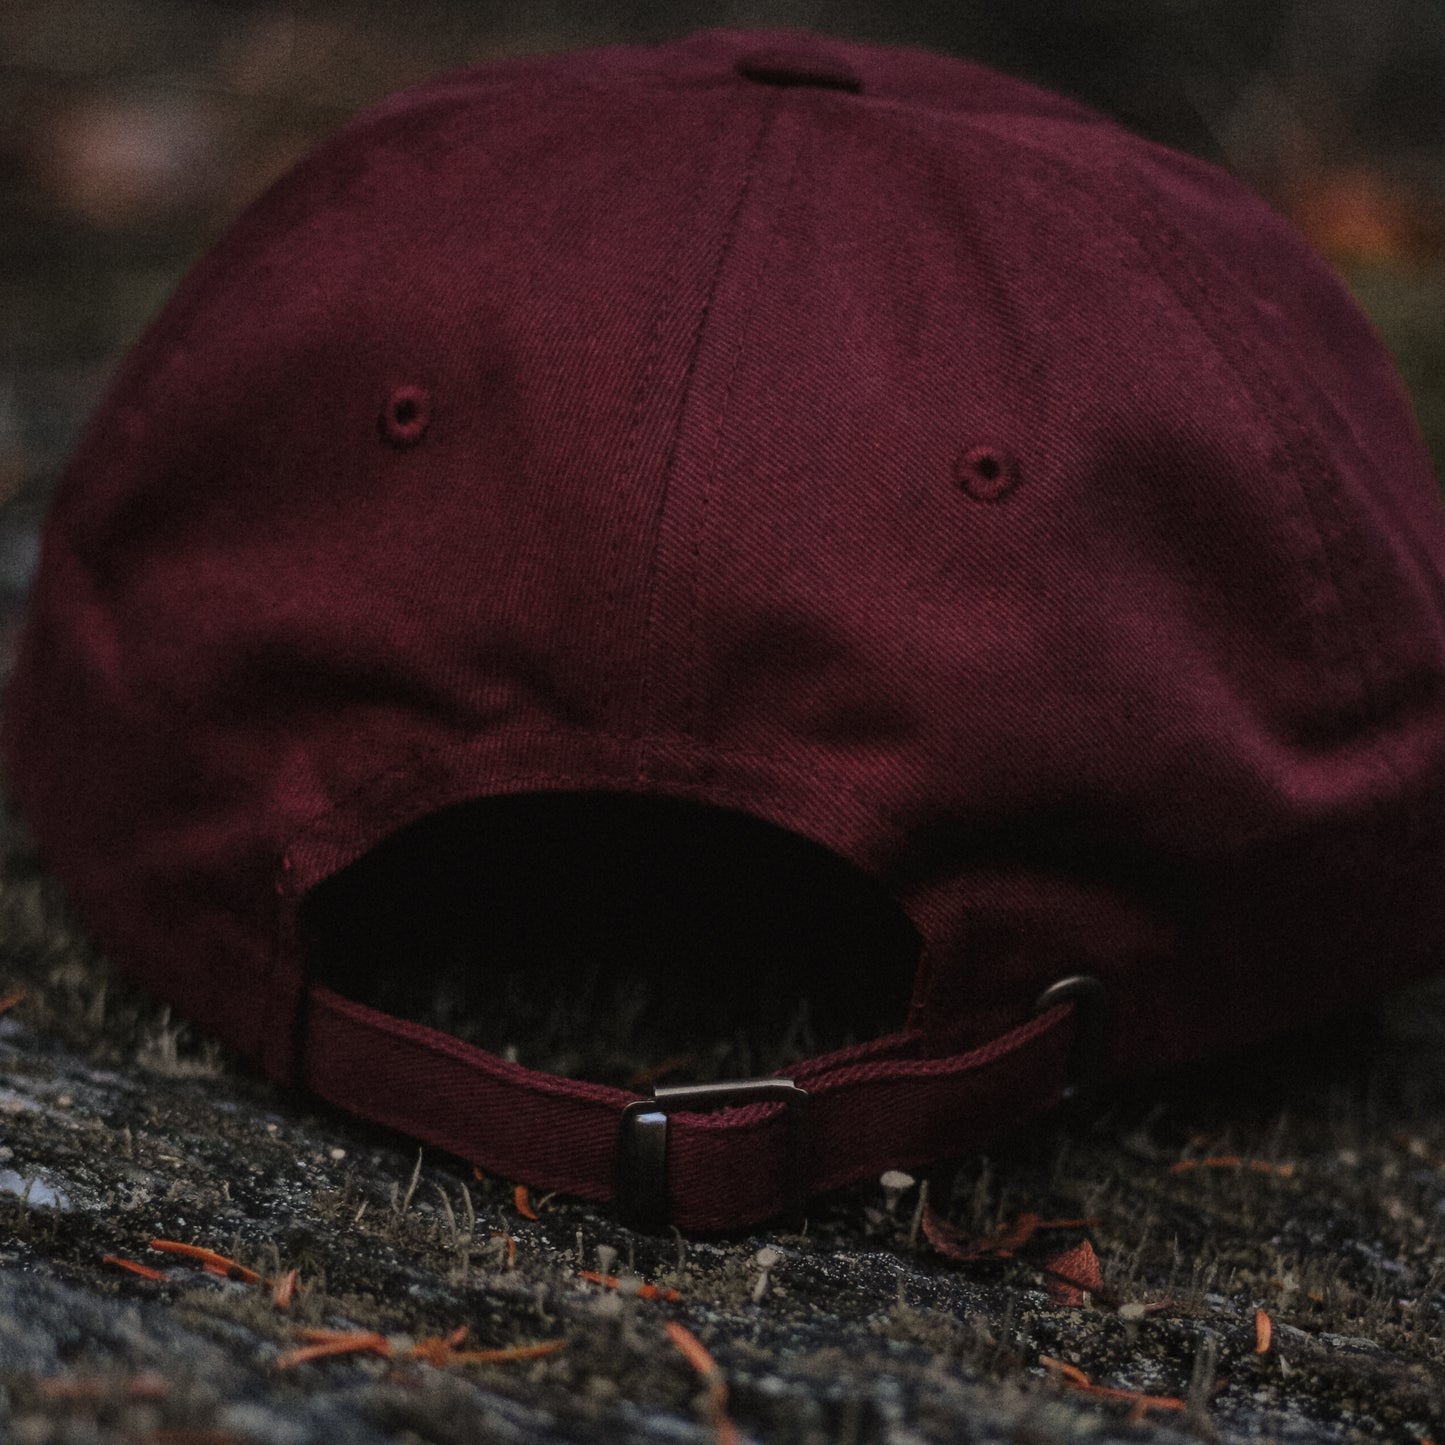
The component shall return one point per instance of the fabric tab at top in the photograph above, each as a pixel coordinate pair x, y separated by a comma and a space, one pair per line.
798, 67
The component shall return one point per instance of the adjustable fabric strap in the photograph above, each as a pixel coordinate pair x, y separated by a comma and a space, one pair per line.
870, 1109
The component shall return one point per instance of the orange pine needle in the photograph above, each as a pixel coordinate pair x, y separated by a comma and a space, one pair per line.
1080, 1381
11, 999
1140, 1402
1233, 1161
351, 1342
439, 1349
144, 1270
695, 1353
1280, 1171
644, 1291
506, 1356
1221, 1161
511, 1248
727, 1432
948, 1239
1072, 1373
1263, 1332
215, 1263
644, 1079
285, 1288
1014, 1236
523, 1202
951, 1242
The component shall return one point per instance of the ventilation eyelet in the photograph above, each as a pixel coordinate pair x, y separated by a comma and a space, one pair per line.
987, 473
406, 416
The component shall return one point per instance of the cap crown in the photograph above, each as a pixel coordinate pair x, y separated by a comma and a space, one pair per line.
850, 437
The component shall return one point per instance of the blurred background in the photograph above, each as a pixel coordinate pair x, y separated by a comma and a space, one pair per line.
132, 131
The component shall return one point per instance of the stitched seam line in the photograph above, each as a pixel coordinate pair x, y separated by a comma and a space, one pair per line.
1048, 171
645, 385
694, 700
1335, 636
724, 254
1315, 468
497, 784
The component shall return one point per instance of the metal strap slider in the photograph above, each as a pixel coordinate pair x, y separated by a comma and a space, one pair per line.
640, 1163
1089, 1053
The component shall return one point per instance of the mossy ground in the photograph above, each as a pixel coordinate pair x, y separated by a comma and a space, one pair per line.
125, 1128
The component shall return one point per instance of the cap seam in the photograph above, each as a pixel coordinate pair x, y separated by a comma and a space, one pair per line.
1339, 559
529, 76
1313, 478
470, 83
608, 699
693, 707
645, 699
1296, 445
1309, 471
315, 821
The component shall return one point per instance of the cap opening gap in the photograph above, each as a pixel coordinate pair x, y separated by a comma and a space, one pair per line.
621, 939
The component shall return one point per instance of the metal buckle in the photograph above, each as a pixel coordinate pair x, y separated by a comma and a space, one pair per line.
1091, 1035
639, 1177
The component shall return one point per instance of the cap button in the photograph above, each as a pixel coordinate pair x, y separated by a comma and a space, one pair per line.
798, 67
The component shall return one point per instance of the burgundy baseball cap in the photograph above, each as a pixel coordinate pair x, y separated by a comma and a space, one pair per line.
959, 538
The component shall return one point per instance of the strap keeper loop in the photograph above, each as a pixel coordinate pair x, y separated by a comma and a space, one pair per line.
639, 1179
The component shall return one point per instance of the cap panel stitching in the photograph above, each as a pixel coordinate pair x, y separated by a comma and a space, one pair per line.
1312, 466
644, 387
1179, 268
500, 783
1312, 557
645, 710
1160, 246
700, 518
1306, 447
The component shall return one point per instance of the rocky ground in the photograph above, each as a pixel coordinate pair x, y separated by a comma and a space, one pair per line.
1248, 1255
